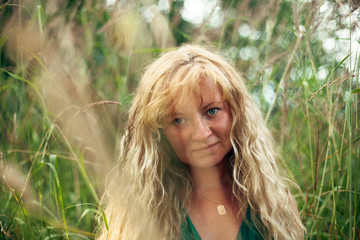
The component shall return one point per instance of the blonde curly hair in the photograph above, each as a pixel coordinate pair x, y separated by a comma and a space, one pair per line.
146, 189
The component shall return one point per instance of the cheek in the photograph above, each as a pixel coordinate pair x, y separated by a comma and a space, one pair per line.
175, 139
229, 124
226, 125
229, 121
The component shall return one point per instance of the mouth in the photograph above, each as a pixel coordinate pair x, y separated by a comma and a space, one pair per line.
207, 147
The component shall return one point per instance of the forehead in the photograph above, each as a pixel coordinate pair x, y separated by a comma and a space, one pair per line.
205, 92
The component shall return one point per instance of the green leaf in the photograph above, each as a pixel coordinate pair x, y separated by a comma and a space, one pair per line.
4, 87
356, 91
3, 40
15, 76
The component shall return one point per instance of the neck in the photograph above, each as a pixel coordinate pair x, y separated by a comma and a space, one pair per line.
210, 178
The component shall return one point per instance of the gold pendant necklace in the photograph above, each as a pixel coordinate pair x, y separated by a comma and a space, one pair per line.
220, 207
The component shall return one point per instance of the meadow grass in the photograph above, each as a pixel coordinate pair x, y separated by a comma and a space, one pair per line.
67, 71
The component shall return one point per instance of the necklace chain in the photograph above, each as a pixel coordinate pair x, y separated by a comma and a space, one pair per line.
220, 207
212, 200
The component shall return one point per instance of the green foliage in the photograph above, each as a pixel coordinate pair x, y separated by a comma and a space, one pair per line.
68, 69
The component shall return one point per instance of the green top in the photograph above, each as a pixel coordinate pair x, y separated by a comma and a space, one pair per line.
247, 230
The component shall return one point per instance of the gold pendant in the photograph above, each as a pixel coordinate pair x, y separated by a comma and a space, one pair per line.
221, 209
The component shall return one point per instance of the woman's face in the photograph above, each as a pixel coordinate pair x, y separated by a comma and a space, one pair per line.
199, 132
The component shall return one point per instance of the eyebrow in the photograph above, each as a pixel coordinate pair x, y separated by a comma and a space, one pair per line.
209, 104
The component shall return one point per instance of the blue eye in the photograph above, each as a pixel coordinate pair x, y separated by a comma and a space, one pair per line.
178, 120
212, 111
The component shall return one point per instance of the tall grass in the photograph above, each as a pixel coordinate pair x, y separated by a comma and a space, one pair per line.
68, 68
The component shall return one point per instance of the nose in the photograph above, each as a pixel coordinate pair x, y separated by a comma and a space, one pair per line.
201, 129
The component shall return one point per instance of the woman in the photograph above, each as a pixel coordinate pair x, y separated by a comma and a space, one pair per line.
196, 160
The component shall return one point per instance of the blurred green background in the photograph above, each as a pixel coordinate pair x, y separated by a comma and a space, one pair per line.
68, 70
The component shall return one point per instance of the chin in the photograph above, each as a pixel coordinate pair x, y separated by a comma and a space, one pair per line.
206, 162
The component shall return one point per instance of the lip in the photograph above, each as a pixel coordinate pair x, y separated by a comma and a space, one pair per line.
207, 147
